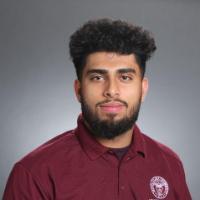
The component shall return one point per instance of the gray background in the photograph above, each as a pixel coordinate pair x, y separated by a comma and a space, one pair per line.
36, 76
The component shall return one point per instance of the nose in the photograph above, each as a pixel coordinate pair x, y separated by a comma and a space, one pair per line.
111, 89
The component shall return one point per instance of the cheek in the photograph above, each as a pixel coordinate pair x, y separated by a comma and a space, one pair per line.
91, 95
131, 94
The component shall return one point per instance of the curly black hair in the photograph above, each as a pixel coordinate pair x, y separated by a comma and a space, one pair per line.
110, 36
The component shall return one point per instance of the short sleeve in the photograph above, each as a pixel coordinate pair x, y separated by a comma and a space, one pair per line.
22, 186
183, 191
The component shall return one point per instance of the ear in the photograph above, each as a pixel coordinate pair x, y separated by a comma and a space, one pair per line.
145, 86
77, 87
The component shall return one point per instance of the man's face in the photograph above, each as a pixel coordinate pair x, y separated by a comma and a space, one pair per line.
110, 92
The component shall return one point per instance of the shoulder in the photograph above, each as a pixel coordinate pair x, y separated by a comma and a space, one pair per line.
155, 148
51, 152
33, 174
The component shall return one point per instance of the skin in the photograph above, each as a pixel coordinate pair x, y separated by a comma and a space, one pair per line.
112, 85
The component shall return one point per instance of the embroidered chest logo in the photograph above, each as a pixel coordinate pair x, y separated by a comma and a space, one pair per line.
159, 187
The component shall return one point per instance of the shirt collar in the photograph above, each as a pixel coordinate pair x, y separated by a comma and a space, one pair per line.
138, 145
94, 149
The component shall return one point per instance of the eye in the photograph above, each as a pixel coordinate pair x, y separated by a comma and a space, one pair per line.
126, 78
96, 78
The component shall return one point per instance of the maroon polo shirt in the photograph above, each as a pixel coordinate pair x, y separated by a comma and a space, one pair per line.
74, 166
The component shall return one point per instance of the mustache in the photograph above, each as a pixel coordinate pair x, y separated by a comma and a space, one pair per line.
115, 100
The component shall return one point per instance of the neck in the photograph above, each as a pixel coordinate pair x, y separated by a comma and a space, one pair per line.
120, 141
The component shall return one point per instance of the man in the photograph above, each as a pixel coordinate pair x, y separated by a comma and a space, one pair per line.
106, 157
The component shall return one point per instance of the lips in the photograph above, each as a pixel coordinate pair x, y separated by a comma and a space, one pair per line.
112, 107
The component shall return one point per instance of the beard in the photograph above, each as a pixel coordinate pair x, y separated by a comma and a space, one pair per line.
108, 129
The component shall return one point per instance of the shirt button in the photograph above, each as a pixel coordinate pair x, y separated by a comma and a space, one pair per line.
128, 158
122, 187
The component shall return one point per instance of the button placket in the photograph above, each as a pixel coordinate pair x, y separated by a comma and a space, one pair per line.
128, 158
122, 187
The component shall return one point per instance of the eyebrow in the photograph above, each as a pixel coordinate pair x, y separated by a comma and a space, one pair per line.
104, 71
126, 70
97, 71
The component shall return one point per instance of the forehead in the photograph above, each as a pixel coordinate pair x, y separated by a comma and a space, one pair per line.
110, 61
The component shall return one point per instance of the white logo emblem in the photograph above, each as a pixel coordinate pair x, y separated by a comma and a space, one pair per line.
159, 187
